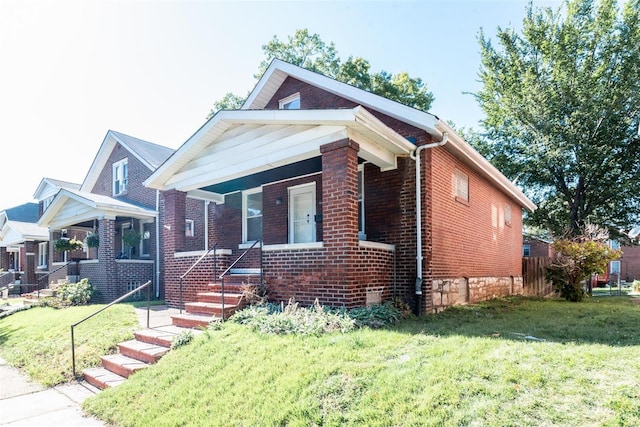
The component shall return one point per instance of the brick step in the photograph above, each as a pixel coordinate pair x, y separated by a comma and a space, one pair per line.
155, 336
145, 352
216, 297
194, 321
122, 365
102, 378
210, 308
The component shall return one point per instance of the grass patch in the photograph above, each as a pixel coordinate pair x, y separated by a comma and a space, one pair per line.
38, 340
506, 362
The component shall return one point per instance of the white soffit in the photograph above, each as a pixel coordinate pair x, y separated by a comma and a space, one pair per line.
239, 143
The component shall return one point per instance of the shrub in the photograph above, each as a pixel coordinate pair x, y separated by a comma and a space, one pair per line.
182, 339
293, 319
375, 316
635, 286
75, 293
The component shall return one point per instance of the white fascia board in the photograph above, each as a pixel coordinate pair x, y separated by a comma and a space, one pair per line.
458, 146
99, 162
372, 123
207, 196
208, 132
128, 148
412, 116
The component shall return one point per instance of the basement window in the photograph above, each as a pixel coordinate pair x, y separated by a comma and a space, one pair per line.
290, 102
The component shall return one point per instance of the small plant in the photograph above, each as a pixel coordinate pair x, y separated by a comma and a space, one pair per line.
92, 240
75, 293
635, 286
131, 237
375, 316
182, 339
63, 244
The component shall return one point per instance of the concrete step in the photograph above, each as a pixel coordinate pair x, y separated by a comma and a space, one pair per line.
210, 308
229, 287
156, 336
102, 378
122, 365
145, 352
216, 297
194, 321
47, 292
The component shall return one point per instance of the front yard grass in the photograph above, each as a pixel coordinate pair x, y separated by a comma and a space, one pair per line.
521, 362
38, 340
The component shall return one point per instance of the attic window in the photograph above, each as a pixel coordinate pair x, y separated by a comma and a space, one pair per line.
290, 102
120, 176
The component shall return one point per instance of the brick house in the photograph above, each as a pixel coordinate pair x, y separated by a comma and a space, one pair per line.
323, 177
22, 253
113, 205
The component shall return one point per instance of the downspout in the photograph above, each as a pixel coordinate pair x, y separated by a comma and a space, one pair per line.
157, 243
416, 156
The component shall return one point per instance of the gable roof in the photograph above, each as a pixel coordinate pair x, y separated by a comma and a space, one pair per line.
27, 212
279, 70
151, 155
19, 223
49, 186
75, 206
244, 142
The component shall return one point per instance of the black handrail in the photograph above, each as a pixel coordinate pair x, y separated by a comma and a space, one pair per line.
123, 297
221, 277
49, 274
215, 256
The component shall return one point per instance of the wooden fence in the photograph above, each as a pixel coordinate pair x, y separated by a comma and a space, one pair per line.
533, 276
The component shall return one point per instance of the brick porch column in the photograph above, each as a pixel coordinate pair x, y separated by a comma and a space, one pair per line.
106, 280
4, 259
173, 240
340, 216
30, 262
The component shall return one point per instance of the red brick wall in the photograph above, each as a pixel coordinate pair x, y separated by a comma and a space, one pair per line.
138, 172
195, 212
196, 281
538, 248
630, 263
471, 239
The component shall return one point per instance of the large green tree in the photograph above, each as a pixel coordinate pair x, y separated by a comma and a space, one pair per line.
310, 52
562, 104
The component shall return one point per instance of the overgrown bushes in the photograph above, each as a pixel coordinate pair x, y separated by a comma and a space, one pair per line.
70, 294
315, 320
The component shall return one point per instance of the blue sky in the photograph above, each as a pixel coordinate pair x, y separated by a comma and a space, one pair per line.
72, 70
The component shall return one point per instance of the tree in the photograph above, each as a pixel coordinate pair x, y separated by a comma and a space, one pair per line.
310, 52
577, 258
562, 105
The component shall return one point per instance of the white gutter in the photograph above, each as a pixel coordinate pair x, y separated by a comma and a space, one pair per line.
158, 244
415, 155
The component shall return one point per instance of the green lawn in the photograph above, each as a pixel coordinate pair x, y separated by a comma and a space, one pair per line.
38, 340
512, 362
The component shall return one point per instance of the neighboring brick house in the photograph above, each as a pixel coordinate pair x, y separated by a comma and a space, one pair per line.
533, 246
324, 176
21, 246
113, 204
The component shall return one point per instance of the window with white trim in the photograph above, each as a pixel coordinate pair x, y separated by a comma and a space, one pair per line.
252, 215
46, 202
290, 102
120, 176
614, 244
43, 254
461, 186
189, 228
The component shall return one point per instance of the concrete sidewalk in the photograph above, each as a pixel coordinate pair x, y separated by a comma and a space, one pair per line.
26, 403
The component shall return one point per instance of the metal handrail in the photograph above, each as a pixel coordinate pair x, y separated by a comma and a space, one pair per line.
123, 297
221, 277
49, 274
215, 257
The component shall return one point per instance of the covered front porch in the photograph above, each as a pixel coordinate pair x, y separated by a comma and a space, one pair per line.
110, 242
310, 187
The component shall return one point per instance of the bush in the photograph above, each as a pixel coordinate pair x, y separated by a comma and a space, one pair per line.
75, 293
182, 339
635, 286
293, 319
375, 316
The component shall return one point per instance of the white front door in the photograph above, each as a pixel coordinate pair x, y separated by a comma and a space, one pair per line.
302, 211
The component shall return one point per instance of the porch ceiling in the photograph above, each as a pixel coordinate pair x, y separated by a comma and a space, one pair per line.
71, 207
236, 144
